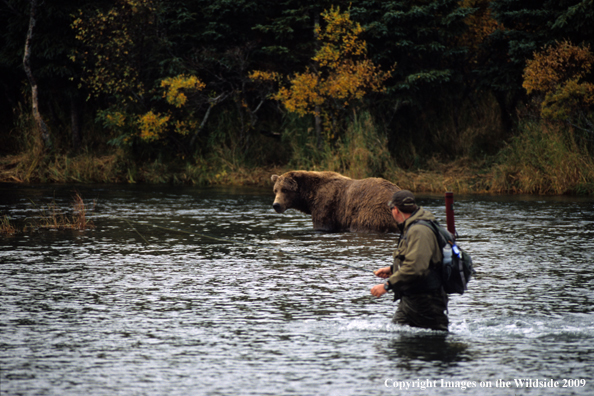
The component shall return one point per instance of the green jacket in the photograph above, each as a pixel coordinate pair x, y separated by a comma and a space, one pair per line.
417, 249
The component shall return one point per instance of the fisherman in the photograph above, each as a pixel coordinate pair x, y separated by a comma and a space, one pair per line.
412, 278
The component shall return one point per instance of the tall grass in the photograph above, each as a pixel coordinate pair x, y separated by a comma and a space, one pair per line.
362, 151
544, 159
461, 155
6, 227
446, 130
79, 218
33, 166
54, 218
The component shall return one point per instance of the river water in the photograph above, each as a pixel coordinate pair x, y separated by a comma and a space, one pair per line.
144, 304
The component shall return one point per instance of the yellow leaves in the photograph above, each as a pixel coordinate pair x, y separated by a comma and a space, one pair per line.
351, 81
152, 126
340, 39
174, 85
344, 74
259, 75
109, 39
557, 71
115, 120
185, 127
304, 94
567, 100
156, 125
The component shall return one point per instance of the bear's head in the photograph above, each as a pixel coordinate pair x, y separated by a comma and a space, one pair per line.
285, 192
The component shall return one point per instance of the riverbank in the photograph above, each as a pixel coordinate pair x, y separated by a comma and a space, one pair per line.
462, 176
542, 159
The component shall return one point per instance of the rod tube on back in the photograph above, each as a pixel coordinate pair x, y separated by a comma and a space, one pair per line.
449, 203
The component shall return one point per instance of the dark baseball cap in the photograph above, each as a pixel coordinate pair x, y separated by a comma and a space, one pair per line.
404, 200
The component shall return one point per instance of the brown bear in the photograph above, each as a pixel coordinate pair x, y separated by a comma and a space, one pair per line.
336, 202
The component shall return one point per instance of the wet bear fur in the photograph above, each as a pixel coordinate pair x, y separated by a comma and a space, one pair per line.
336, 202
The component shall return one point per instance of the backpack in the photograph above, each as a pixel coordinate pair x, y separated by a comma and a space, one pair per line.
456, 265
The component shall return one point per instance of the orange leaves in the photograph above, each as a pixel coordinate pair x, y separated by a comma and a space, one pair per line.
555, 65
557, 72
480, 24
259, 75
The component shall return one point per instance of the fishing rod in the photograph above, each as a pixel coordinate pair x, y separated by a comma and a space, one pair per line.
257, 245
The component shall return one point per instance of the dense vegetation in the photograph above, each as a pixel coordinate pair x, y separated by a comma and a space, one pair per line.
468, 95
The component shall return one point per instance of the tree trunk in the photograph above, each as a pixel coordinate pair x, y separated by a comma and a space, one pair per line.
41, 126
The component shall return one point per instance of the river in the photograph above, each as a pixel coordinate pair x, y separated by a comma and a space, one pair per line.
149, 303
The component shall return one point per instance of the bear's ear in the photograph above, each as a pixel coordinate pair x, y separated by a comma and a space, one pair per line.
274, 178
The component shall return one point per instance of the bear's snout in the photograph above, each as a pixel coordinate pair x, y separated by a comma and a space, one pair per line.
277, 207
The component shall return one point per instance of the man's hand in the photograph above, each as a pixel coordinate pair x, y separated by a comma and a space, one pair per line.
378, 290
383, 272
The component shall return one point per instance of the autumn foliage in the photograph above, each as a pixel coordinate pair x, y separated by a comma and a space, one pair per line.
174, 88
112, 66
341, 77
559, 72
205, 87
481, 24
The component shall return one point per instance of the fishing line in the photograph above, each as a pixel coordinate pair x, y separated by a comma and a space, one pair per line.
228, 240
130, 224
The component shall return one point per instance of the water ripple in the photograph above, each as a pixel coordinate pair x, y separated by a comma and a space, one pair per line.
140, 309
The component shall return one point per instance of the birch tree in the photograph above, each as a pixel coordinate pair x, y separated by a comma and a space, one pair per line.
39, 122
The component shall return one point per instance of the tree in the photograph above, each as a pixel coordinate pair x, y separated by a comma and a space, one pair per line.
129, 49
481, 25
115, 48
120, 50
56, 76
429, 84
421, 37
560, 72
41, 126
528, 26
342, 77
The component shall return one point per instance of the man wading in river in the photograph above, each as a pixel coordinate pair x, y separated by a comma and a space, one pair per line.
423, 303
